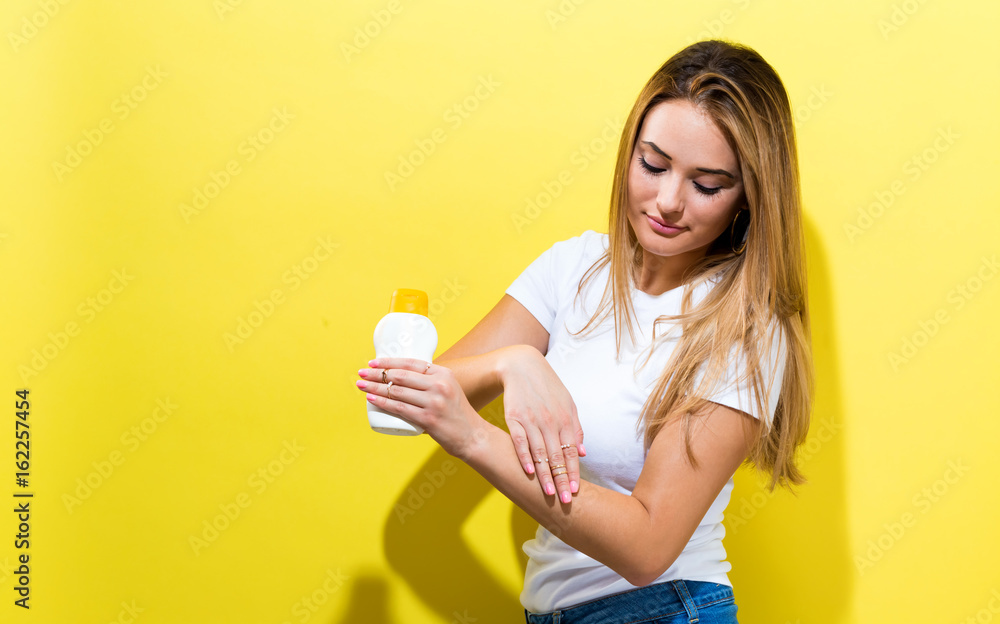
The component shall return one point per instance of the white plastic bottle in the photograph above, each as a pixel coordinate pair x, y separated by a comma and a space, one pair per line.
404, 332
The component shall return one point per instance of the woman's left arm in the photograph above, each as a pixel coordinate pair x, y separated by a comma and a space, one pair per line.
637, 536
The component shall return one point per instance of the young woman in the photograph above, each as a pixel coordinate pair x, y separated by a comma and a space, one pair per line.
704, 269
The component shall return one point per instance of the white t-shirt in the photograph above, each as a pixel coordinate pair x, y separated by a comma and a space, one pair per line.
609, 396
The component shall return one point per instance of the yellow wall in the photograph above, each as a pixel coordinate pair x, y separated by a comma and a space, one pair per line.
171, 170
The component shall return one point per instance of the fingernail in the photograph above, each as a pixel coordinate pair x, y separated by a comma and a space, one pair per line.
549, 489
360, 384
583, 451
574, 486
566, 497
370, 397
529, 468
373, 363
362, 372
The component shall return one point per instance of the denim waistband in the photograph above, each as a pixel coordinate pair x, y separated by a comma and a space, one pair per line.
659, 600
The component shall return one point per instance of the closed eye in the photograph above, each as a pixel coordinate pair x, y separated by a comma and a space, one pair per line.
648, 167
704, 190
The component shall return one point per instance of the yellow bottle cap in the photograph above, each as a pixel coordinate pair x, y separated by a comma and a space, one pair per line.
408, 300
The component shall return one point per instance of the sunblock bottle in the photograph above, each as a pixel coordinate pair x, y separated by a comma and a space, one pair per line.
404, 332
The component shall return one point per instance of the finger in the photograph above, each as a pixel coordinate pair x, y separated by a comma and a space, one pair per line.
407, 412
558, 466
412, 364
572, 460
520, 440
539, 454
574, 444
394, 392
401, 377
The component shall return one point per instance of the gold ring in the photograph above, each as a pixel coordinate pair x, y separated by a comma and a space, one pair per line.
384, 380
387, 389
558, 466
566, 446
428, 368
559, 474
544, 459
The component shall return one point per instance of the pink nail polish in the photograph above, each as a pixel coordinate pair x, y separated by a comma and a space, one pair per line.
566, 497
373, 363
529, 468
574, 487
370, 397
360, 384
362, 372
550, 490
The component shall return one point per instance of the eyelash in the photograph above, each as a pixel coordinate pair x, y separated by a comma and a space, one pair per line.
704, 190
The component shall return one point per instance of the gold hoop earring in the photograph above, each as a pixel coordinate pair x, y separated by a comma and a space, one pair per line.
746, 231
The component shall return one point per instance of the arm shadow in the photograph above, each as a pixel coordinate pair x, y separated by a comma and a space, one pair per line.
424, 545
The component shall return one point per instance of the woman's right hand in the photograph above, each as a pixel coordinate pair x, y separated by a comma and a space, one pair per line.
542, 420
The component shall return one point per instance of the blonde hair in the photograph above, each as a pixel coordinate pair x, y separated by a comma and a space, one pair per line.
760, 290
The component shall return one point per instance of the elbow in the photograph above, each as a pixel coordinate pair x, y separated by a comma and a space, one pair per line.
642, 578
647, 568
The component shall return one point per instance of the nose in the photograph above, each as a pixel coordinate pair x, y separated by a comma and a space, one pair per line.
668, 195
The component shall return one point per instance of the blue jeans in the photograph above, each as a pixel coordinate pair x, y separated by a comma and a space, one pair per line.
672, 602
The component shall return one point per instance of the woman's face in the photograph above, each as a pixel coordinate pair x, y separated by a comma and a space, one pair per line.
684, 185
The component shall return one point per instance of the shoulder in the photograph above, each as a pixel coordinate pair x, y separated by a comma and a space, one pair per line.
569, 257
547, 285
583, 249
588, 241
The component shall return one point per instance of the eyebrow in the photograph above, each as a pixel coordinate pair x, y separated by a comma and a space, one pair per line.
667, 156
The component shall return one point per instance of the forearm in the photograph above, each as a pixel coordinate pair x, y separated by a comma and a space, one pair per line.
479, 375
608, 526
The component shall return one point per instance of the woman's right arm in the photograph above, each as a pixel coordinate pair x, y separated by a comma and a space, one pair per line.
505, 352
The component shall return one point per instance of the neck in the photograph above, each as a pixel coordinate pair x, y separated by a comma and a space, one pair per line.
658, 274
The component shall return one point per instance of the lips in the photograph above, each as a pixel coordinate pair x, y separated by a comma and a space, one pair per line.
663, 228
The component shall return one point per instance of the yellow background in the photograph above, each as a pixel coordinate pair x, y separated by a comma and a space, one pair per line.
875, 85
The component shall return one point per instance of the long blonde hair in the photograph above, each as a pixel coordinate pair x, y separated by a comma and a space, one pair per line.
757, 291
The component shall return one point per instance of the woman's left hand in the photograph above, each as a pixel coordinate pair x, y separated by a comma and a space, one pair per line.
426, 395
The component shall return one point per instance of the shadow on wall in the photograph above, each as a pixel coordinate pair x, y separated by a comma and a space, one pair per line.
790, 553
368, 602
424, 544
